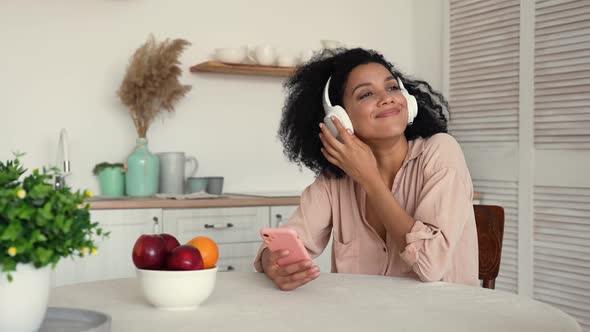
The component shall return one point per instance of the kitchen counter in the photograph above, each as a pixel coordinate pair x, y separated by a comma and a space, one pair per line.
227, 200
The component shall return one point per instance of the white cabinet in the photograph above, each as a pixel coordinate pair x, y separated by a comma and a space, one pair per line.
238, 256
281, 214
113, 259
235, 230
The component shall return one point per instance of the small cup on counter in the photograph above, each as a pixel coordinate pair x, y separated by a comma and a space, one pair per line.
215, 185
197, 184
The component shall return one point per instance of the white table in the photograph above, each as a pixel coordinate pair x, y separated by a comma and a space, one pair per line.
333, 302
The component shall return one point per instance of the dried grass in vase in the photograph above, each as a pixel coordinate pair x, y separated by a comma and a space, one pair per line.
151, 83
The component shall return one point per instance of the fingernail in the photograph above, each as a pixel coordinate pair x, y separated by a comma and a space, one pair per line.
285, 252
332, 118
349, 131
321, 125
308, 263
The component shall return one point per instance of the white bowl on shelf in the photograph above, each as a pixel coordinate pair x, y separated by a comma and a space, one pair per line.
231, 55
176, 290
287, 60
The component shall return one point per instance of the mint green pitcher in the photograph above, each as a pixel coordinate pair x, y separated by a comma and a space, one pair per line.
143, 169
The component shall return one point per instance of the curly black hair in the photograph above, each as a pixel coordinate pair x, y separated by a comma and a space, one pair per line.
303, 111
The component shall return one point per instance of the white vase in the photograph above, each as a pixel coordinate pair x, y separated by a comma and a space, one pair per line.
23, 302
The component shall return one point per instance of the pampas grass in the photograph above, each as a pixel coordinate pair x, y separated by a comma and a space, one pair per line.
151, 84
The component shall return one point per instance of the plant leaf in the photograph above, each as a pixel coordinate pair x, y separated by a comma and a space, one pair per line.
11, 232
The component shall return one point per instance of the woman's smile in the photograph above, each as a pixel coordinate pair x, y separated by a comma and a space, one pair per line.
388, 113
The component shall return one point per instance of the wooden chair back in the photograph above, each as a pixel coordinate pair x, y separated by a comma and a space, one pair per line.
489, 220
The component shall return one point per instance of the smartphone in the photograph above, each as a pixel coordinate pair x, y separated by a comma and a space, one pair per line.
285, 239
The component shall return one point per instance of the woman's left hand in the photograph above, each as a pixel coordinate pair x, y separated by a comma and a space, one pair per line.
353, 156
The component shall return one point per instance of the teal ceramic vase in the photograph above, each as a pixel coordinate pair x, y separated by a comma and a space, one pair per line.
112, 181
143, 169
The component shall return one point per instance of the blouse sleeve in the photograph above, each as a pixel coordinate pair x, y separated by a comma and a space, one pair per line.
312, 220
445, 206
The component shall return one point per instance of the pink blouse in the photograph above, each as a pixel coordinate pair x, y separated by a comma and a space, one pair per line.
433, 185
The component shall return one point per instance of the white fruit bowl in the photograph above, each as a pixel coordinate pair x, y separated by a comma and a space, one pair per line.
176, 290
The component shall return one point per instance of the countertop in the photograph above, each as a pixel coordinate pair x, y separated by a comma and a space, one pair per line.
226, 200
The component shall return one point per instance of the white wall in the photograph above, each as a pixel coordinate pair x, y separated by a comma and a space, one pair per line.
63, 60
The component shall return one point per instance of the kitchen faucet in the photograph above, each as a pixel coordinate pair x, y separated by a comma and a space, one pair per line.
63, 160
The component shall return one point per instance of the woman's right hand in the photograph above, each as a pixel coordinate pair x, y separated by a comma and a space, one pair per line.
288, 277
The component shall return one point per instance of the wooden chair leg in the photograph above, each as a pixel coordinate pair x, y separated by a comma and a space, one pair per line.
490, 284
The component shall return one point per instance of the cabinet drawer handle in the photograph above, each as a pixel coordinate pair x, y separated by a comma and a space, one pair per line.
279, 219
218, 226
229, 268
156, 229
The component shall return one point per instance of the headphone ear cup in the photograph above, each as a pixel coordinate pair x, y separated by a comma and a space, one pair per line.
343, 117
340, 114
330, 125
412, 106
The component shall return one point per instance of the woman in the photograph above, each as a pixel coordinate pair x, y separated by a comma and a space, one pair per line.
396, 194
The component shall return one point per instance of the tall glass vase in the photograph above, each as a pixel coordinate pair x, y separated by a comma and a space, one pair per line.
143, 169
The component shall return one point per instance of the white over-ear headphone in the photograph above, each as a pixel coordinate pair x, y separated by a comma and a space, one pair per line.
341, 114
410, 101
336, 111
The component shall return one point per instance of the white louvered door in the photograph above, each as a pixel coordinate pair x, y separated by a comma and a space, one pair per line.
561, 239
483, 92
561, 247
518, 83
562, 74
484, 71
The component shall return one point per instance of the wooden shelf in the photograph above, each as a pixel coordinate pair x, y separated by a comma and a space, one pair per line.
239, 69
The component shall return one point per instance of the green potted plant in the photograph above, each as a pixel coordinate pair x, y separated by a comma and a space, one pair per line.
111, 178
39, 225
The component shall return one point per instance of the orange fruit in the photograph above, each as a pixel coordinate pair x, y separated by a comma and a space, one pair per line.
208, 249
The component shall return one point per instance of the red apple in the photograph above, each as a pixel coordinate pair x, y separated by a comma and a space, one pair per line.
184, 257
170, 242
149, 252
